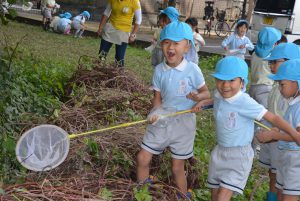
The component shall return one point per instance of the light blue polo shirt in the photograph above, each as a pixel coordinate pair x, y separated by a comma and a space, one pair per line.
234, 41
175, 83
292, 115
235, 119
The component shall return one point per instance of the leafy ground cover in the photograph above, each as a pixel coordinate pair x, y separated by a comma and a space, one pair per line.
51, 78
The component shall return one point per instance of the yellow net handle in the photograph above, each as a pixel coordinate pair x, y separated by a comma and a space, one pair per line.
143, 121
124, 125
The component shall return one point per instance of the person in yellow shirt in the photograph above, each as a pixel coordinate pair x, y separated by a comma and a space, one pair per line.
118, 29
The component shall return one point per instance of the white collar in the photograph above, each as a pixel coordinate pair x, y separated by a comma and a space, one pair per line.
294, 100
231, 99
180, 67
237, 36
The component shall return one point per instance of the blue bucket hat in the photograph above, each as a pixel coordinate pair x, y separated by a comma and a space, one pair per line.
177, 31
289, 70
284, 51
86, 14
171, 12
267, 37
230, 68
242, 21
66, 15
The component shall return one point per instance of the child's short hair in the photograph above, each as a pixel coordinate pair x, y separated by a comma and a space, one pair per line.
267, 38
192, 21
241, 23
177, 31
289, 70
230, 68
283, 39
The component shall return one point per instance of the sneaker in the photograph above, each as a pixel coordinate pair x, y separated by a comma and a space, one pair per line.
149, 180
188, 195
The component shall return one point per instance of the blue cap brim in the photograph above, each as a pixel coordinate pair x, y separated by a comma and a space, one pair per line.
276, 77
263, 52
223, 77
271, 58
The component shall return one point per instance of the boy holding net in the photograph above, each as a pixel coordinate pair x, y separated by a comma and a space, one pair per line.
234, 113
173, 82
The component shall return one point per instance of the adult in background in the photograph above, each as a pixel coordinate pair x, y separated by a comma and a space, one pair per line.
48, 7
118, 29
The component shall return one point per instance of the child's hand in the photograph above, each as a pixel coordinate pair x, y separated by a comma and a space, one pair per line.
197, 108
153, 41
193, 96
242, 46
153, 118
264, 136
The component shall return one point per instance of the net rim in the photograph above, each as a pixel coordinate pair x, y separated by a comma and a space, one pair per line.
66, 135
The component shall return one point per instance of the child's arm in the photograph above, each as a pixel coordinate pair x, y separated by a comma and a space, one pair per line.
227, 41
249, 45
199, 38
272, 135
201, 94
156, 102
283, 125
199, 105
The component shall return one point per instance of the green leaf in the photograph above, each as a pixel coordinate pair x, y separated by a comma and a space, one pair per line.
4, 20
2, 192
12, 12
11, 1
142, 194
106, 194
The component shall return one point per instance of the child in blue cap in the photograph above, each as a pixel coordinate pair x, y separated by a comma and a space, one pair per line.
288, 177
192, 54
64, 23
261, 85
173, 82
166, 16
234, 113
268, 155
238, 42
79, 23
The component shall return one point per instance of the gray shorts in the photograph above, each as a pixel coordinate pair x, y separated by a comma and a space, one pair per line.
260, 93
229, 167
288, 173
76, 25
268, 156
178, 135
47, 12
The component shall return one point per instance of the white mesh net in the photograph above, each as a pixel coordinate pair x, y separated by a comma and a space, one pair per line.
43, 147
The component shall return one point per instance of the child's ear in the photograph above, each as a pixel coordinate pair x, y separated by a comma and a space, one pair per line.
188, 46
242, 83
